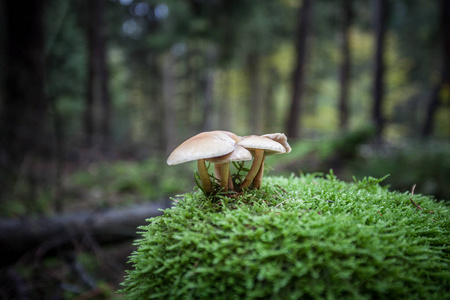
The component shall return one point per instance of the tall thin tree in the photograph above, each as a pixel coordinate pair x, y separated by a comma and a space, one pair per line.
298, 80
255, 83
208, 87
24, 105
97, 81
444, 82
225, 116
344, 69
169, 108
380, 18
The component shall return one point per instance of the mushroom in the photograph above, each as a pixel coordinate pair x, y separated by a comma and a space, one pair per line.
222, 165
280, 138
237, 139
277, 137
261, 146
200, 147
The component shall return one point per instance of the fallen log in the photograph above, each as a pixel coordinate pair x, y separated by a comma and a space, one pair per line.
37, 235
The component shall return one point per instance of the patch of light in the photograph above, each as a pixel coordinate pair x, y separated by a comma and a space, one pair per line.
179, 49
161, 11
126, 2
140, 9
132, 28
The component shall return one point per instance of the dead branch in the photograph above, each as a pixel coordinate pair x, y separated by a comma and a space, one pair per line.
39, 235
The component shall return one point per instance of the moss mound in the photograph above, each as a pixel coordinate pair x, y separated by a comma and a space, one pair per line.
298, 237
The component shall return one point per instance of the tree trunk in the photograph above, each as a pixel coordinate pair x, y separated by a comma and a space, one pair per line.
97, 81
270, 114
225, 118
444, 81
36, 236
24, 105
59, 150
189, 100
380, 16
344, 70
88, 115
170, 113
254, 108
295, 110
208, 96
105, 100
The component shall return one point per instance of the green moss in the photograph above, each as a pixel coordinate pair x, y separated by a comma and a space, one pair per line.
298, 237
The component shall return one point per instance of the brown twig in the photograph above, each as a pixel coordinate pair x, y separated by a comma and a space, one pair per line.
281, 203
412, 194
279, 186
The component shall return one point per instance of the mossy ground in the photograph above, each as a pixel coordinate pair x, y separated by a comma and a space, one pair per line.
298, 237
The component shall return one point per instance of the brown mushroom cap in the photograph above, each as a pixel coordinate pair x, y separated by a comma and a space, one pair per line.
280, 138
202, 146
269, 146
239, 154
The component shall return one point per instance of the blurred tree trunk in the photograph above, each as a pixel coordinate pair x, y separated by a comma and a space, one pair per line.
170, 112
197, 66
208, 88
270, 123
191, 88
224, 116
24, 105
97, 81
344, 70
59, 150
380, 18
295, 110
31, 237
444, 82
255, 82
155, 108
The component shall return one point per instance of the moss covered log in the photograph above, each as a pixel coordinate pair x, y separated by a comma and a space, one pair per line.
299, 237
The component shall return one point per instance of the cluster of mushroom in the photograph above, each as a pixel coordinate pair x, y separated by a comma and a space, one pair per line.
221, 148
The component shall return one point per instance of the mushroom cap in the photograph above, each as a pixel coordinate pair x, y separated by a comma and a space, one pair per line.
280, 138
269, 146
232, 135
202, 146
239, 154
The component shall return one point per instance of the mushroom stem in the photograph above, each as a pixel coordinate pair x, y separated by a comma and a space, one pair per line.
224, 175
217, 171
230, 182
204, 176
256, 165
259, 176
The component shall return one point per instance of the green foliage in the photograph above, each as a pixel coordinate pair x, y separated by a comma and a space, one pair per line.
409, 162
298, 237
148, 179
319, 155
345, 146
427, 165
28, 199
104, 184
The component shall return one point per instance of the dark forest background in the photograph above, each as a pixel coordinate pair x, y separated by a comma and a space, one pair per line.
96, 94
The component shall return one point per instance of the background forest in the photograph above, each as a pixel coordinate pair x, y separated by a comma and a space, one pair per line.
96, 94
